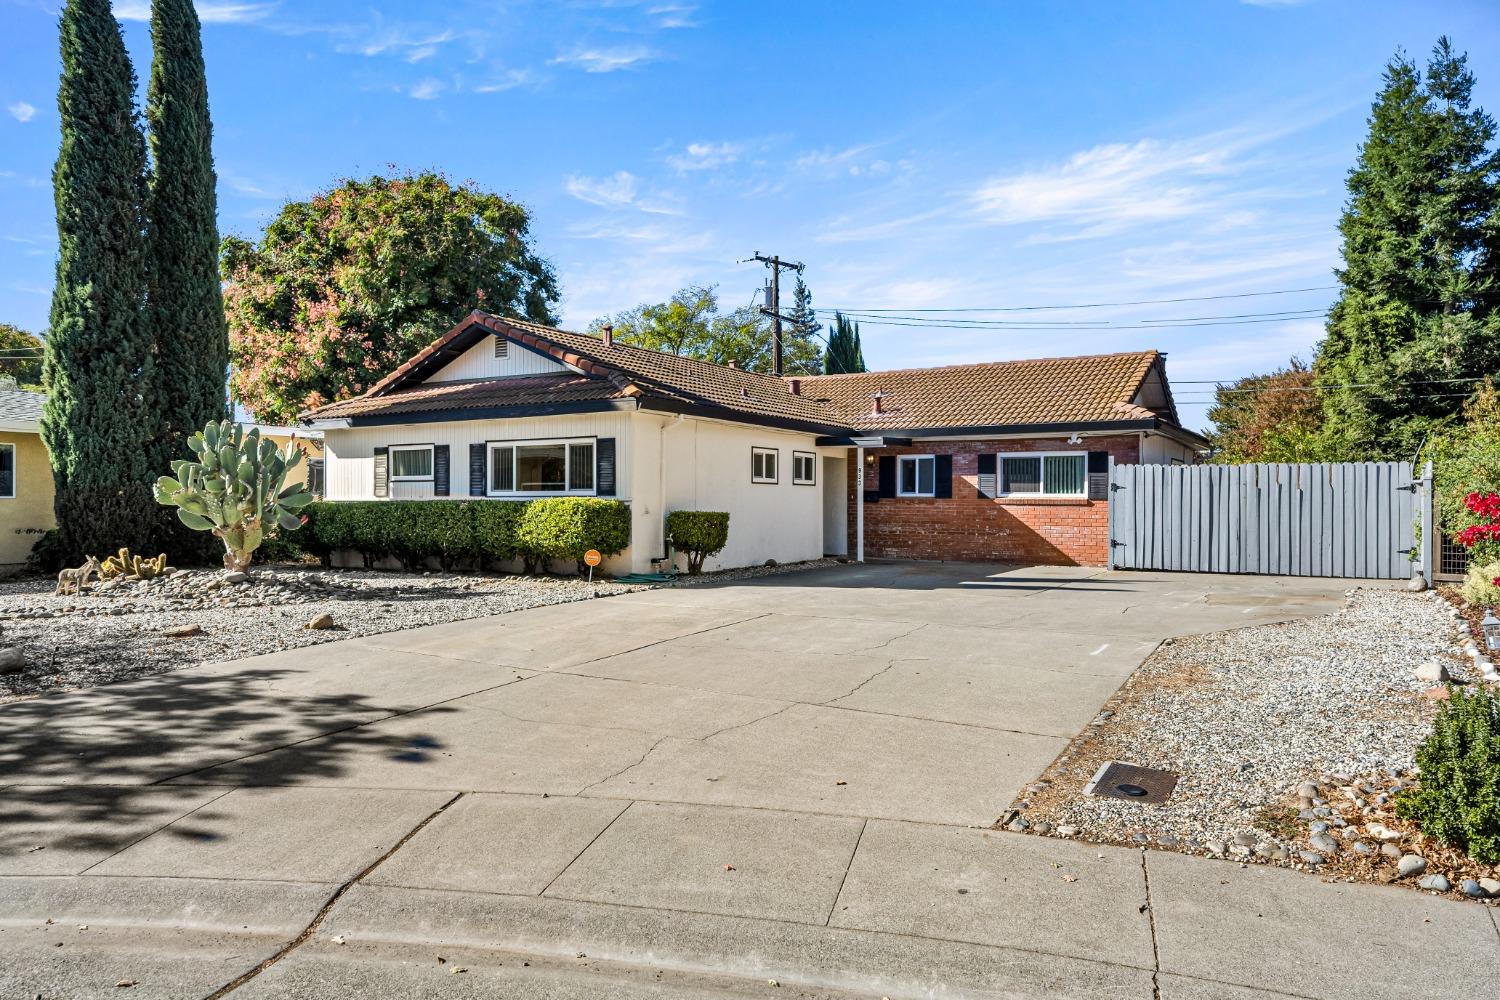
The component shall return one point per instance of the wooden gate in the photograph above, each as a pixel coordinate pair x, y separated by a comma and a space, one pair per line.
1344, 519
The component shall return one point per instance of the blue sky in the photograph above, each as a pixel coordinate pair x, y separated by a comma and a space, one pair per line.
961, 155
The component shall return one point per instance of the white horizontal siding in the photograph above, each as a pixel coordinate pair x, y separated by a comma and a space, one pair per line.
350, 453
479, 361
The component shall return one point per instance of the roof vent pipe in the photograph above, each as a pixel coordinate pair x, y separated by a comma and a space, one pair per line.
795, 385
609, 335
731, 364
877, 406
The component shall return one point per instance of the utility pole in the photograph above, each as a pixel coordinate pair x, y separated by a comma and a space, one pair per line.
773, 308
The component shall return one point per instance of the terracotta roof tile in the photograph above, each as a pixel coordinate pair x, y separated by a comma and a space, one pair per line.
494, 393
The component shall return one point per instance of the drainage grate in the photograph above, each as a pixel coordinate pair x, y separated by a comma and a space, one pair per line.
1131, 782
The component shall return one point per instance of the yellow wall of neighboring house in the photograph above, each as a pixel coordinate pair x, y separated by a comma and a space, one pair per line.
312, 446
29, 513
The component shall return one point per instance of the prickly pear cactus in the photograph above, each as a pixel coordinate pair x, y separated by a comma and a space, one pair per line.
235, 487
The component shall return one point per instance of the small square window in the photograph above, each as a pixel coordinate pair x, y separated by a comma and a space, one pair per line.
917, 476
411, 464
763, 465
804, 468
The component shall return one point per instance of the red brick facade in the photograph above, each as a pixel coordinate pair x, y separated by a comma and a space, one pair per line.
971, 528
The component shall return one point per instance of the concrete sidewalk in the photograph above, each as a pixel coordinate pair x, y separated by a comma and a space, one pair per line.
677, 793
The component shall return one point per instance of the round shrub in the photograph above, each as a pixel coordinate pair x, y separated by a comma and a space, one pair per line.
1458, 799
567, 527
699, 533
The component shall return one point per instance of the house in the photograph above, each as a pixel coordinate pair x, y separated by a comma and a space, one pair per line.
25, 476
1000, 461
309, 472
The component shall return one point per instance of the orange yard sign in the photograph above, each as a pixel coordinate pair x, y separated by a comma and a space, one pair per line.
592, 557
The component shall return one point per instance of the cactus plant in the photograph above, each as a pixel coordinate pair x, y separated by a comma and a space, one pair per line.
124, 564
235, 488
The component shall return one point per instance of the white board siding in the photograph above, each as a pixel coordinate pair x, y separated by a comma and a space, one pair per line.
349, 454
479, 361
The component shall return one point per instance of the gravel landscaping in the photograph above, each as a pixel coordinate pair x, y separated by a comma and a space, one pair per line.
123, 629
1290, 742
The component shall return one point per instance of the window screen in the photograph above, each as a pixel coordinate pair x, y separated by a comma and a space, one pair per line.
1021, 475
502, 469
1063, 474
411, 463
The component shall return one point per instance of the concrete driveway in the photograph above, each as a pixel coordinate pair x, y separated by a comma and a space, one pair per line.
676, 793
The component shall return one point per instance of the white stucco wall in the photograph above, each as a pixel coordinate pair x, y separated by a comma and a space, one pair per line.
705, 465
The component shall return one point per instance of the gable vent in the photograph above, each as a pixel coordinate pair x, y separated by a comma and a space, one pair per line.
502, 347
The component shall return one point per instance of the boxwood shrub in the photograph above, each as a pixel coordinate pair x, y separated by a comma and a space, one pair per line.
1458, 798
699, 533
479, 532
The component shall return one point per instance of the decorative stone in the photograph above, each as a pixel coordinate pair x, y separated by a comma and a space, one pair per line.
1390, 850
1311, 858
235, 577
1324, 843
12, 660
324, 622
1490, 885
1360, 847
1215, 847
1411, 864
182, 631
1067, 831
1469, 887
1432, 671
1307, 790
1435, 882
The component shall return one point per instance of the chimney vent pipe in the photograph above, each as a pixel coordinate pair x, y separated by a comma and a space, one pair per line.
609, 335
795, 385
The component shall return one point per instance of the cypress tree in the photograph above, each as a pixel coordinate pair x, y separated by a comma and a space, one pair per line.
184, 304
845, 354
1417, 312
99, 415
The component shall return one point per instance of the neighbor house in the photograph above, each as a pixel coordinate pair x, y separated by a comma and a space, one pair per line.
25, 477
1004, 461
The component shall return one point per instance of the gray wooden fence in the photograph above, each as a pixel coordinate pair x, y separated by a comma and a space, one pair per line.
1346, 519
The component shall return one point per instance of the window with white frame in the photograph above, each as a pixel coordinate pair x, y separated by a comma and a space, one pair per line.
411, 463
804, 468
7, 472
763, 465
522, 467
916, 475
1048, 474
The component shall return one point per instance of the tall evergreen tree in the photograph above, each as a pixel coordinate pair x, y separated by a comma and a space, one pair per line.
1421, 249
184, 304
804, 318
100, 415
845, 355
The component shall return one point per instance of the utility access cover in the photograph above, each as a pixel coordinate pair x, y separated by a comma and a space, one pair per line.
1131, 782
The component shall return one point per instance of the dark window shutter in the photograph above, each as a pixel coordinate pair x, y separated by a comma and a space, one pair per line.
887, 466
987, 484
382, 472
604, 465
476, 470
942, 482
1098, 475
439, 470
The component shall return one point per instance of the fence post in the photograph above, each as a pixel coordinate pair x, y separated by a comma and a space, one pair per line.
1109, 519
1429, 541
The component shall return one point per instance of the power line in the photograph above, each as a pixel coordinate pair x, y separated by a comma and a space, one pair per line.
1100, 305
1093, 324
1101, 327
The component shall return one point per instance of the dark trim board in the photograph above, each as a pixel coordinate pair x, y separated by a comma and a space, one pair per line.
1038, 430
490, 413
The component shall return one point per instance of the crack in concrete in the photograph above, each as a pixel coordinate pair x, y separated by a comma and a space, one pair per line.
327, 907
611, 777
1150, 912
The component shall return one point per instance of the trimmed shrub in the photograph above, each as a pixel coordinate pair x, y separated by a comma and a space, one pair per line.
1482, 586
699, 534
567, 527
1458, 800
495, 530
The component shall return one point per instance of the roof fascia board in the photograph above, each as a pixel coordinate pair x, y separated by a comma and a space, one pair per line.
664, 405
482, 413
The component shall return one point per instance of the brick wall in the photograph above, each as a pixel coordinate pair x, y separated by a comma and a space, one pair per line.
971, 528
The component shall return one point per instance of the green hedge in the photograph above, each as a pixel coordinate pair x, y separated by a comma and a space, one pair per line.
482, 532
1457, 800
699, 533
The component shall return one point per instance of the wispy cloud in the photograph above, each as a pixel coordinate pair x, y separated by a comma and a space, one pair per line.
427, 89
673, 15
706, 155
411, 44
506, 80
1109, 187
606, 191
606, 59
208, 12
851, 162
21, 111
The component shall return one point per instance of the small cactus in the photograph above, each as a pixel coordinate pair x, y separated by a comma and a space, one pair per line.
133, 567
235, 489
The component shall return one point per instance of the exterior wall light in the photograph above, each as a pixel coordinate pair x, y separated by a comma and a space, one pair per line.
1491, 626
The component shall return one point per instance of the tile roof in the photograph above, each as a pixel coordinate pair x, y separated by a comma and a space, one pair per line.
1093, 389
1087, 389
19, 407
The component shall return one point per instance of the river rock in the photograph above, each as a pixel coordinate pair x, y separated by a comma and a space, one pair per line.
1411, 864
1432, 671
321, 623
1437, 882
12, 660
182, 631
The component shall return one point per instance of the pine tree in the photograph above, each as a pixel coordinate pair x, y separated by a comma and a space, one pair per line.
184, 304
845, 354
100, 415
804, 318
1417, 312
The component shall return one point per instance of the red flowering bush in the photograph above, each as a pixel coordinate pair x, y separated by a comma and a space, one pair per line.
344, 287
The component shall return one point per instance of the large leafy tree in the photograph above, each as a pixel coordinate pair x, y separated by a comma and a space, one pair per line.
845, 354
21, 356
1421, 247
690, 324
100, 415
1267, 418
344, 287
184, 304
